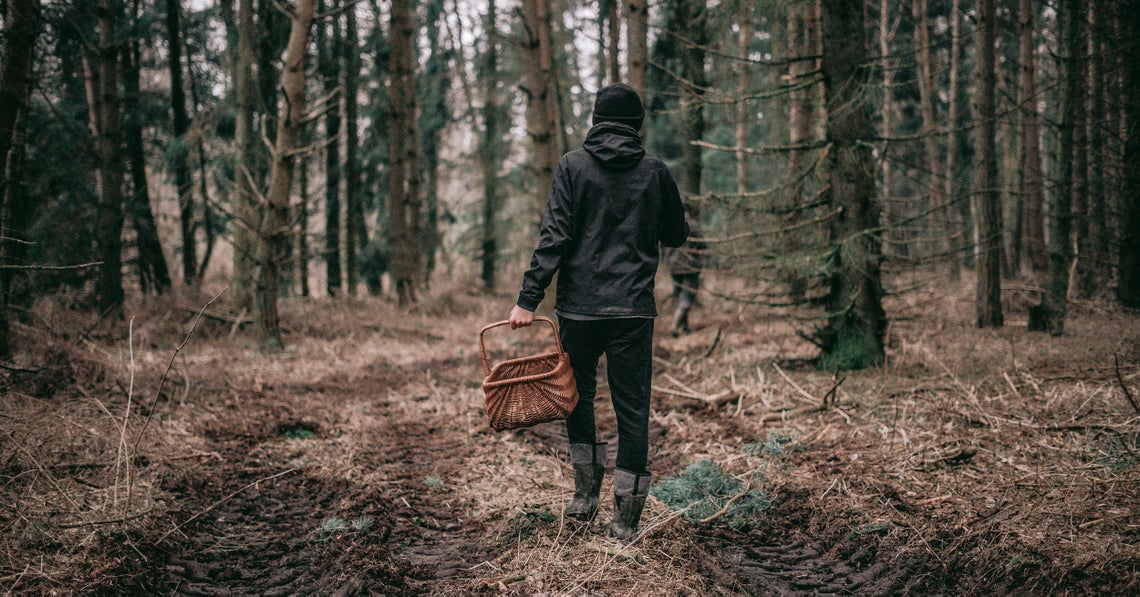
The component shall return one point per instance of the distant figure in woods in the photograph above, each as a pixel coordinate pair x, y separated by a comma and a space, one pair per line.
685, 264
610, 205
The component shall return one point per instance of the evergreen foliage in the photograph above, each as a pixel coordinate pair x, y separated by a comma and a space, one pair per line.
703, 489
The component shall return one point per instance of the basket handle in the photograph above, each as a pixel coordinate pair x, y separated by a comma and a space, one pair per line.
483, 349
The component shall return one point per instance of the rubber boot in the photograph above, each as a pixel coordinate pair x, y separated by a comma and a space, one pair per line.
630, 491
589, 463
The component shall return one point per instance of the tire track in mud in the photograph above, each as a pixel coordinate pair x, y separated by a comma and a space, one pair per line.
244, 534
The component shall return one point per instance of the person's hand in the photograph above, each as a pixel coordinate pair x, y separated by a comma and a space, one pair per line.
520, 318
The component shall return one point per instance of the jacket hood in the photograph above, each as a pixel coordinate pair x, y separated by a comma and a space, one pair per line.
617, 146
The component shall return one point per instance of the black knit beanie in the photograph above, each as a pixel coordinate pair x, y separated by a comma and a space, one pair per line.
619, 103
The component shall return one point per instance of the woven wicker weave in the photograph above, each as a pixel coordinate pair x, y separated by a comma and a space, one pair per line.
529, 390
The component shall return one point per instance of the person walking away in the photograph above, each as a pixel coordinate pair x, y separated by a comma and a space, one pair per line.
611, 204
685, 264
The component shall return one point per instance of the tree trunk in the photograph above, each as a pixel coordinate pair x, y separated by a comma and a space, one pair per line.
803, 40
939, 212
743, 86
302, 222
637, 44
489, 160
988, 290
329, 66
244, 215
1080, 156
433, 119
109, 284
207, 223
22, 23
181, 167
153, 273
894, 241
352, 248
404, 171
274, 232
1029, 158
1051, 315
541, 98
613, 33
1128, 288
954, 166
1092, 276
691, 16
853, 335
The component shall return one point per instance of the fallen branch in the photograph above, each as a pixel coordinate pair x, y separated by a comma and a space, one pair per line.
220, 502
802, 391
727, 505
714, 344
1124, 387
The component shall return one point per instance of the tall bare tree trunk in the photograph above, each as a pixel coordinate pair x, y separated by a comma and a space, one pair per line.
1128, 287
352, 233
328, 64
939, 211
988, 290
1080, 192
743, 86
22, 23
273, 234
153, 273
244, 215
954, 191
853, 336
1092, 276
182, 180
692, 15
1029, 158
611, 10
109, 284
637, 44
489, 160
542, 126
893, 240
404, 186
1054, 308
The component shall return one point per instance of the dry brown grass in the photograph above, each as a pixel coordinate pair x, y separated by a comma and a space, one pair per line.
974, 460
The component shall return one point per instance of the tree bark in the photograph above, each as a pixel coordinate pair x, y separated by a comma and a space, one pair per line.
109, 283
691, 15
1092, 272
153, 273
352, 247
329, 66
988, 290
1128, 288
404, 186
244, 215
1029, 158
613, 35
939, 207
1053, 310
182, 180
541, 98
637, 44
22, 23
273, 234
856, 323
954, 166
490, 142
743, 86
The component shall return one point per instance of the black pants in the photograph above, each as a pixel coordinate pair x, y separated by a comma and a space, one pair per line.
628, 346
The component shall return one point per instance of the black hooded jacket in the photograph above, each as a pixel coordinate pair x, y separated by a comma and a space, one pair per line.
610, 205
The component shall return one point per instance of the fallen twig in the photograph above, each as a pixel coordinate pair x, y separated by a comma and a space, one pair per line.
795, 385
727, 505
1124, 387
220, 502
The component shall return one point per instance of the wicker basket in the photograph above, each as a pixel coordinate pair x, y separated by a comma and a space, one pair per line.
529, 390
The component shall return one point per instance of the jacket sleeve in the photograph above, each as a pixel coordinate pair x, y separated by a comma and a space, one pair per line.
674, 229
553, 237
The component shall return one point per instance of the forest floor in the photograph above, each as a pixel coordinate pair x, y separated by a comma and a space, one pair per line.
162, 453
